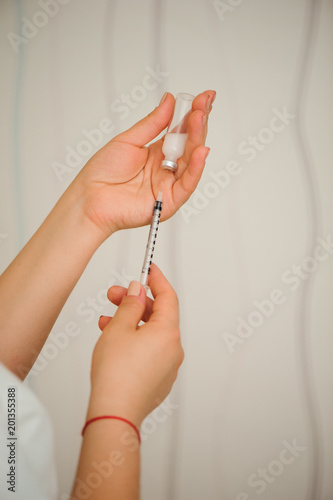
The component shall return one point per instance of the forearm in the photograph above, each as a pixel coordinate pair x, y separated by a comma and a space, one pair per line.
36, 285
109, 464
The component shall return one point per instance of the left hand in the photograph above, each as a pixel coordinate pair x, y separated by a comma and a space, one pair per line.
121, 181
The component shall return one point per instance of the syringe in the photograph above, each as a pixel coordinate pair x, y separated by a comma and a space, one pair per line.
151, 241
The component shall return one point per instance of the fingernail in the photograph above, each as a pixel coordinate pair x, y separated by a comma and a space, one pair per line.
101, 316
208, 151
213, 98
134, 288
208, 103
163, 98
204, 120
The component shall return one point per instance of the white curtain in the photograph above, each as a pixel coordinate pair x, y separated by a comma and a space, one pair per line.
250, 254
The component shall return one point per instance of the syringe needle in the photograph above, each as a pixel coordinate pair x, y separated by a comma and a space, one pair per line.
159, 196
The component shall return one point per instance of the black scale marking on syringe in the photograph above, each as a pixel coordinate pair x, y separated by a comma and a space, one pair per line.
151, 240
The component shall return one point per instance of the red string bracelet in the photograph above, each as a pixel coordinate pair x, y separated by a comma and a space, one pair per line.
115, 418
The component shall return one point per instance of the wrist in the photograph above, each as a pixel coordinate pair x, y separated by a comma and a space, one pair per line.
107, 404
73, 205
113, 418
96, 203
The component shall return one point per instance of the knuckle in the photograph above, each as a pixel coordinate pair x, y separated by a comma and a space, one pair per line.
181, 355
175, 347
174, 334
173, 295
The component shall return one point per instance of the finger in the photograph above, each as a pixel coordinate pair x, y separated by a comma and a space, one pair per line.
132, 307
151, 126
197, 132
198, 125
186, 184
200, 101
116, 293
165, 307
103, 321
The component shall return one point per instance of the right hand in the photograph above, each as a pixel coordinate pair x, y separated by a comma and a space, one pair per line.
134, 367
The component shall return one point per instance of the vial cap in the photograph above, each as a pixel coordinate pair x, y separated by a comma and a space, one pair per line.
169, 165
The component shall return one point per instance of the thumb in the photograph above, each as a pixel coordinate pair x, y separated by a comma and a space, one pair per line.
132, 307
152, 125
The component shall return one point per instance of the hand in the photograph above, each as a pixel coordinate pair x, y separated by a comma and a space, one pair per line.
134, 367
121, 181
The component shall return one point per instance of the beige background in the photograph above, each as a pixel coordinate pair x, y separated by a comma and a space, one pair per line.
232, 412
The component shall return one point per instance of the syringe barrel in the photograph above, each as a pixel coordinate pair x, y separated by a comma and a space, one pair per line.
151, 243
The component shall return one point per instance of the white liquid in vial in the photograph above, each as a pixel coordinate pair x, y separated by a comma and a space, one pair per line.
174, 146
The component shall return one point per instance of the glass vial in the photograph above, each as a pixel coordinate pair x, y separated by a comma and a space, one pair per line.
177, 133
